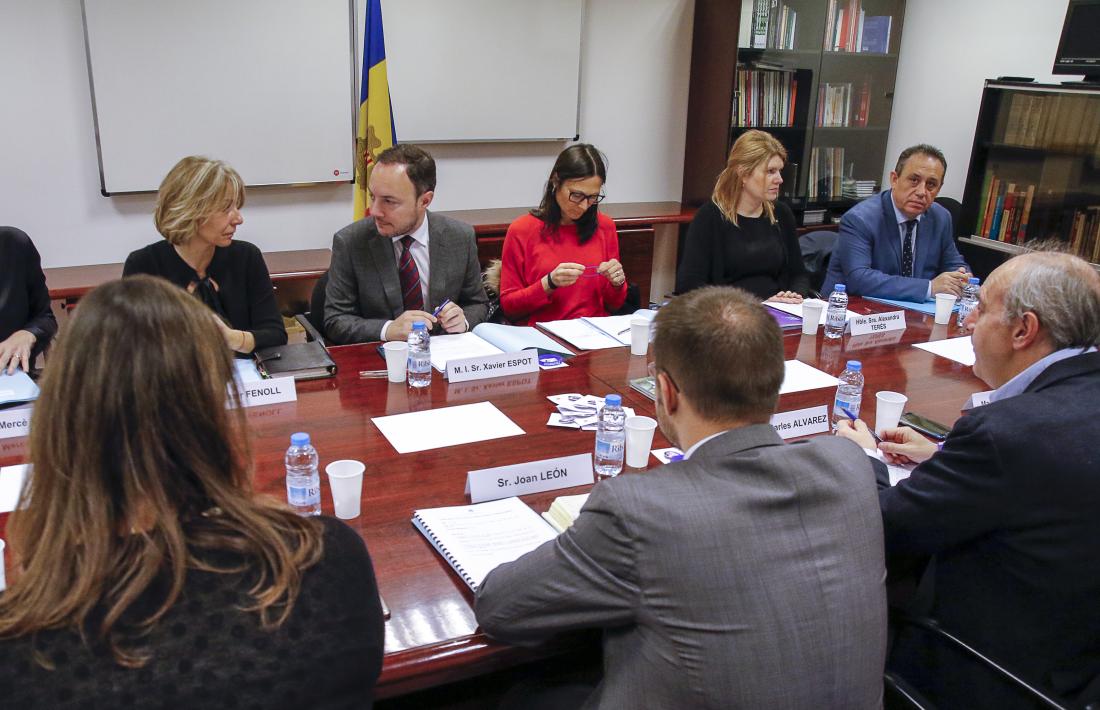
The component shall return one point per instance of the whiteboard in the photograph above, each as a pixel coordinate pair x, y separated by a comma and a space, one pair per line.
483, 70
266, 85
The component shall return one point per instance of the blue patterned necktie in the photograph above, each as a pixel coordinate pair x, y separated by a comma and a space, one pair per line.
907, 251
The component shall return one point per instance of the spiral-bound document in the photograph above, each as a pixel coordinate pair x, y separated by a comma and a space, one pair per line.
475, 539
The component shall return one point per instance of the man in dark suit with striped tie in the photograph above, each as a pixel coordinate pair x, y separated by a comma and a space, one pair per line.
403, 263
899, 243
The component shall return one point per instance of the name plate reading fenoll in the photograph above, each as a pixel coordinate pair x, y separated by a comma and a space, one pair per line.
801, 422
877, 323
523, 478
15, 422
273, 391
479, 368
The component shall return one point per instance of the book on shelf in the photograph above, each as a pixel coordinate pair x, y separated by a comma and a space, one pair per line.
876, 34
850, 29
1006, 210
813, 217
774, 24
826, 172
476, 539
857, 189
1063, 122
761, 12
838, 106
564, 510
765, 97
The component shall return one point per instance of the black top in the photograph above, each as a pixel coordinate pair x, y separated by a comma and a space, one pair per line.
24, 298
207, 653
243, 294
756, 255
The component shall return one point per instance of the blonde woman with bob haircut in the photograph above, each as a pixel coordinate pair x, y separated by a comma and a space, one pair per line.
197, 212
144, 571
743, 236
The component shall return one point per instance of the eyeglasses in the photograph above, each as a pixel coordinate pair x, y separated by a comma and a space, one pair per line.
653, 370
578, 197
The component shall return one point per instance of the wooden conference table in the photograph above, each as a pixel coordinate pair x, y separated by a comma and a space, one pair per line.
432, 637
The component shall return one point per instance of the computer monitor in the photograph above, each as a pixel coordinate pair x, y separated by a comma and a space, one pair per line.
1079, 47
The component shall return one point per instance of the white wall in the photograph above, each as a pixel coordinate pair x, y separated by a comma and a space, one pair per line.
948, 49
635, 66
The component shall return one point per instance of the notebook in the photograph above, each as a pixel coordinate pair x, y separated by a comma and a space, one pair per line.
491, 339
595, 333
476, 539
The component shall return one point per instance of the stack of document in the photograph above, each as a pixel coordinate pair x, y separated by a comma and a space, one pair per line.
595, 333
857, 189
491, 339
578, 411
475, 539
564, 510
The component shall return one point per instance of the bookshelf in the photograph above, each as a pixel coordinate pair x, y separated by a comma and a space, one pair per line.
1034, 170
819, 75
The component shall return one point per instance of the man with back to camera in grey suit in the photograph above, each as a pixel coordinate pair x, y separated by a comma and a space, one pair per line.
395, 267
748, 575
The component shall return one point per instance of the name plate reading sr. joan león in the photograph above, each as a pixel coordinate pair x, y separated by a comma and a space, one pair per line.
877, 323
523, 478
480, 368
273, 391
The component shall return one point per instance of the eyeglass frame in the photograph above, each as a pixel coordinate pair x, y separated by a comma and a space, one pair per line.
577, 197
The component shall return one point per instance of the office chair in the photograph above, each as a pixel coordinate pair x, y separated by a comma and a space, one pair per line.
817, 248
313, 320
899, 695
1020, 687
955, 208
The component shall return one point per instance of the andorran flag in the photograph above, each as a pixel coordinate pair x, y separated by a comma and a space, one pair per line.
375, 131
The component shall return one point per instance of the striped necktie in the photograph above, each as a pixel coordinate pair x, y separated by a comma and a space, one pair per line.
907, 250
411, 295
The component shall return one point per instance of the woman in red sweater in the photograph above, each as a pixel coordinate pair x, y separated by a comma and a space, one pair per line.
562, 260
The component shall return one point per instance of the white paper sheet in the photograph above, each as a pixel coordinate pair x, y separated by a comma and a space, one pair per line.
11, 483
618, 327
459, 346
957, 349
447, 426
247, 371
800, 377
17, 387
795, 309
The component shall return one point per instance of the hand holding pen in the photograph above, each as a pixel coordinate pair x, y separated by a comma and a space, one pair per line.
450, 316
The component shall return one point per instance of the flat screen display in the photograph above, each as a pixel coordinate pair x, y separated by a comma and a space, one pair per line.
1079, 48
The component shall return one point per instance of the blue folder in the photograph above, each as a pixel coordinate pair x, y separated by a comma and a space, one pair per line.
926, 307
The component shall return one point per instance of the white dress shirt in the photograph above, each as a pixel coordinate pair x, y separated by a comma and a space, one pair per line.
902, 219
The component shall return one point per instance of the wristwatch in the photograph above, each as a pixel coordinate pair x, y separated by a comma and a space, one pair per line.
550, 280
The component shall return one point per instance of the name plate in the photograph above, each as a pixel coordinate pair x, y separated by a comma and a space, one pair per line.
273, 391
480, 368
801, 422
15, 422
874, 340
978, 399
523, 478
878, 323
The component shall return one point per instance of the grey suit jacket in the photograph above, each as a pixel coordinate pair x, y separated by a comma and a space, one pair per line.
364, 290
749, 576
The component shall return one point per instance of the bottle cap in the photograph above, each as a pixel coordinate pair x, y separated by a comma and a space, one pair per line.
613, 400
840, 287
855, 365
418, 325
974, 281
299, 439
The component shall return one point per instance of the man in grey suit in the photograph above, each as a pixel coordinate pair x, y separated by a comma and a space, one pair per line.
400, 264
748, 575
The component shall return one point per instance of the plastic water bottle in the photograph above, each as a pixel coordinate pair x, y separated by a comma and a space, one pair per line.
420, 356
303, 483
837, 312
969, 299
610, 436
849, 393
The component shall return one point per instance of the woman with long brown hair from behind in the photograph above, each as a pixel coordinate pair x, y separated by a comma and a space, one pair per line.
144, 571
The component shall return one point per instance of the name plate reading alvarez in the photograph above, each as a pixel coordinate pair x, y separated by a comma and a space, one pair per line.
273, 391
15, 422
523, 478
801, 422
480, 368
877, 323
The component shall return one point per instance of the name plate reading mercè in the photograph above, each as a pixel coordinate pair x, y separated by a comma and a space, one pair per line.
15, 422
523, 478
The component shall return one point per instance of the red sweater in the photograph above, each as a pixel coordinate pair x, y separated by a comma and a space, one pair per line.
529, 255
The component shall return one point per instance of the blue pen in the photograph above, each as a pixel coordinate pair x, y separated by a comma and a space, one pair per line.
855, 418
435, 313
